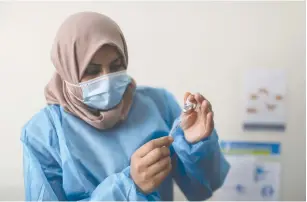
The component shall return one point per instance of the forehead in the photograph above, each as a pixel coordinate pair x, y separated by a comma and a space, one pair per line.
106, 53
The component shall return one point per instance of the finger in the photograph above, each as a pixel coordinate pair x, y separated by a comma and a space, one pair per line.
188, 119
202, 97
210, 107
205, 107
158, 178
209, 124
155, 155
191, 98
156, 143
212, 122
159, 166
199, 98
186, 95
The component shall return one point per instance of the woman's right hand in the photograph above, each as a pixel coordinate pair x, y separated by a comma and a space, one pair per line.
151, 164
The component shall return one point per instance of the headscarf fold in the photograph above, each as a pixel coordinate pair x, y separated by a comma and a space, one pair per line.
77, 40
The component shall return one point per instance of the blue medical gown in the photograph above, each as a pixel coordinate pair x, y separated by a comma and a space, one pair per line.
67, 159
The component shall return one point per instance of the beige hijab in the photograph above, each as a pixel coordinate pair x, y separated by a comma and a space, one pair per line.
77, 40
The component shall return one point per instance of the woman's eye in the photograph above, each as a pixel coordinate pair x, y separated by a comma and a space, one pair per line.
92, 70
115, 67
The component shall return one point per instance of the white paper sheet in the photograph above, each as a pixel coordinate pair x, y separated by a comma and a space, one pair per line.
250, 179
267, 180
264, 98
241, 171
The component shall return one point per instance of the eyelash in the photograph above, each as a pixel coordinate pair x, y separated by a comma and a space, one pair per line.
95, 71
116, 67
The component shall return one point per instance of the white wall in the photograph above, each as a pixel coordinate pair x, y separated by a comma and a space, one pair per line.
203, 47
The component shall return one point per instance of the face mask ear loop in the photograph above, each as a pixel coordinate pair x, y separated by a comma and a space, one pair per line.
70, 84
74, 85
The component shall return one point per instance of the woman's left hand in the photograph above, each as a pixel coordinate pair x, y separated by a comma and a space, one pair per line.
198, 123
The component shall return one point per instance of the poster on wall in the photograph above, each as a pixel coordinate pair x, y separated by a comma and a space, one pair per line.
254, 174
264, 98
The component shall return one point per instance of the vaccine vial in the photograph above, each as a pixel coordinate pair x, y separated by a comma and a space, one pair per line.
188, 106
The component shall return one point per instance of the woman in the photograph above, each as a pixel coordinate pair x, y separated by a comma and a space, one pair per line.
101, 137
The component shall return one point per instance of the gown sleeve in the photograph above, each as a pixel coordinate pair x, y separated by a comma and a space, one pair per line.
200, 168
43, 178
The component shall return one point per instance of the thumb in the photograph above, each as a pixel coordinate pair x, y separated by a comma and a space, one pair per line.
186, 95
188, 119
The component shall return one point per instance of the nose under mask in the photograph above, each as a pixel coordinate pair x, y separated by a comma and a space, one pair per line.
105, 92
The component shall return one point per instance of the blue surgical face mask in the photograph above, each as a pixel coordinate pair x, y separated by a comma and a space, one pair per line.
105, 92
